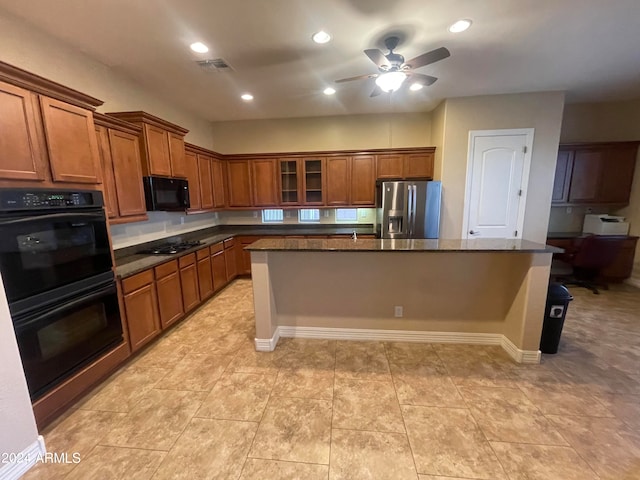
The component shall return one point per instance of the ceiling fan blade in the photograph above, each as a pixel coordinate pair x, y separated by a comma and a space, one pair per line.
428, 58
359, 77
377, 57
422, 79
376, 91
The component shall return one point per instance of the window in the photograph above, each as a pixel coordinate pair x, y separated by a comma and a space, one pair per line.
346, 214
272, 215
309, 215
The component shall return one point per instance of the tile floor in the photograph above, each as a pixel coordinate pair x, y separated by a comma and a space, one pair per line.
201, 403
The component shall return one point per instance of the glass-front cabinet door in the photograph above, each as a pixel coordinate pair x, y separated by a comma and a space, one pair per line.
313, 181
289, 182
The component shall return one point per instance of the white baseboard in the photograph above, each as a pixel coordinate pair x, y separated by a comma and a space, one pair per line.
24, 460
268, 344
520, 356
362, 334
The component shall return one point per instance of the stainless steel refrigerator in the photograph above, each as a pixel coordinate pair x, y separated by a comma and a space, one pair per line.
407, 209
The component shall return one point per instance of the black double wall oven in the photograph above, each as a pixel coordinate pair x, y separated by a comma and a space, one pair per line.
57, 270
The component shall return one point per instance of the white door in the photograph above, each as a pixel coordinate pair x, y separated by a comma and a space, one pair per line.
497, 176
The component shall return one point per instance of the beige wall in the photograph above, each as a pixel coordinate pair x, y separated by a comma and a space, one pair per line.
541, 111
438, 121
344, 132
39, 53
605, 122
17, 423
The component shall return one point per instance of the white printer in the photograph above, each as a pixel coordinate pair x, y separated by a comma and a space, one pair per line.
605, 225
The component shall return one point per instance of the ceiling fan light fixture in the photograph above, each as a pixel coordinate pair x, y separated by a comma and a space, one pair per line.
199, 47
329, 91
460, 26
415, 87
247, 97
321, 37
391, 81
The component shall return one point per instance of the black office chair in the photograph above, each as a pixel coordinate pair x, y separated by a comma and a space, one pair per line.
582, 266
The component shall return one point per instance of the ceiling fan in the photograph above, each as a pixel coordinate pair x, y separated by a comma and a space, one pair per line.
394, 70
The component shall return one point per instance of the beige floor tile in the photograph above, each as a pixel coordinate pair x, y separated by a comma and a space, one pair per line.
111, 463
370, 455
195, 371
565, 400
542, 462
506, 415
362, 360
366, 405
248, 360
161, 354
208, 450
400, 353
428, 385
437, 477
294, 429
624, 407
238, 396
122, 391
79, 433
447, 441
307, 358
603, 444
304, 383
156, 421
257, 469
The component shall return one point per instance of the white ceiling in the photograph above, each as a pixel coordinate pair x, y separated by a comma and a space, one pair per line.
588, 48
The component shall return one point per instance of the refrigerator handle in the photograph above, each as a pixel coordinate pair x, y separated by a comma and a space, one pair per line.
409, 210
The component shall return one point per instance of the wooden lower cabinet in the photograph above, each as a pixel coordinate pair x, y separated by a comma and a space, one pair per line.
169, 293
189, 281
218, 266
205, 280
231, 258
141, 308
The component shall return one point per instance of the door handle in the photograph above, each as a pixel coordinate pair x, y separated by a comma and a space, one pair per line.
473, 232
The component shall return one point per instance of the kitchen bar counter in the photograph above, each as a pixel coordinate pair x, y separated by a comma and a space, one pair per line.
479, 291
128, 262
412, 245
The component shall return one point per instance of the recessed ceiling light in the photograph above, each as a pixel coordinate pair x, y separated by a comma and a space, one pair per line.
321, 37
247, 97
329, 91
460, 26
415, 87
199, 47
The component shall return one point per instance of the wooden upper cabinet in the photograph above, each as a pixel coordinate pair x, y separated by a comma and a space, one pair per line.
71, 142
418, 165
338, 180
206, 187
176, 154
363, 180
20, 152
157, 150
239, 183
564, 167
313, 181
390, 166
290, 181
127, 169
264, 182
617, 174
217, 180
162, 147
193, 178
587, 165
108, 179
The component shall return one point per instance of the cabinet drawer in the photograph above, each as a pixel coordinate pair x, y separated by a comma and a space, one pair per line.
202, 253
218, 247
137, 281
187, 260
166, 269
229, 242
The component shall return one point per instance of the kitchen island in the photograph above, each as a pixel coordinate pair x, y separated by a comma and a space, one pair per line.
482, 291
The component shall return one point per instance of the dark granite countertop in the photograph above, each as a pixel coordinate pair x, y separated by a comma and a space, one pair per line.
128, 262
414, 245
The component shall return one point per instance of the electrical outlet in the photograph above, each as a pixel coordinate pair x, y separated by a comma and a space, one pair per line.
397, 311
255, 214
569, 209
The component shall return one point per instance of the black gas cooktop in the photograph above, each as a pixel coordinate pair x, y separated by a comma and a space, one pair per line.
170, 248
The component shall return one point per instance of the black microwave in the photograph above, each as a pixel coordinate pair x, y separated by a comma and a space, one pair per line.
166, 194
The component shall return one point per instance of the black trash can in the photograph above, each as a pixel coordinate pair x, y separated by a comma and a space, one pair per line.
558, 298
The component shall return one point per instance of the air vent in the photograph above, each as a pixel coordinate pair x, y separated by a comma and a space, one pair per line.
214, 65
